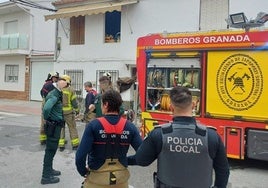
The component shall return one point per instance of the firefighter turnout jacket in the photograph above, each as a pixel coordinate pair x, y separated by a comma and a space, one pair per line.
69, 101
70, 108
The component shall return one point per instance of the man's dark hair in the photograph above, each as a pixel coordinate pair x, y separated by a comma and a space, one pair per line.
181, 97
114, 100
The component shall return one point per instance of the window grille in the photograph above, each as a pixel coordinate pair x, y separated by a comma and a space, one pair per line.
76, 82
114, 77
11, 73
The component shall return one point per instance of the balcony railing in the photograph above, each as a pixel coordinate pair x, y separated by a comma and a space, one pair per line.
14, 41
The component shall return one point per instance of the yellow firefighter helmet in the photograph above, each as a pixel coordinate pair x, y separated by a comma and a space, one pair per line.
67, 78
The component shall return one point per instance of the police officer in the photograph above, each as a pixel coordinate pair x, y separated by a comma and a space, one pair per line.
186, 152
70, 110
53, 116
48, 86
104, 146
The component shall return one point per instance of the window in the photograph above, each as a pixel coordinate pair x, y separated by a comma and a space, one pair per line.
76, 80
11, 27
114, 77
11, 73
77, 30
112, 26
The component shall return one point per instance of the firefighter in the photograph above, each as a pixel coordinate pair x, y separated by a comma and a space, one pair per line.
105, 85
70, 110
104, 146
186, 152
47, 87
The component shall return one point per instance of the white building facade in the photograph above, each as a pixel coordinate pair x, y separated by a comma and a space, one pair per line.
27, 45
98, 36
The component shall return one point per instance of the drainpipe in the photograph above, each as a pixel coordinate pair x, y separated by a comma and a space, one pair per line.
57, 41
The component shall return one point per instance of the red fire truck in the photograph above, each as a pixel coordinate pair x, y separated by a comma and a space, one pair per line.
226, 72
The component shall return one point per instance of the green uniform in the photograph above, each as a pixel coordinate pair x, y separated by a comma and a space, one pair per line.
52, 112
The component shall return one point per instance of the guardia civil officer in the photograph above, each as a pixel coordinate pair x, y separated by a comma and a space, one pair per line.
48, 86
102, 154
186, 152
53, 116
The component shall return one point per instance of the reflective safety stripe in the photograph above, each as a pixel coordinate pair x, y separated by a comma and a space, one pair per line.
42, 137
75, 142
61, 142
110, 129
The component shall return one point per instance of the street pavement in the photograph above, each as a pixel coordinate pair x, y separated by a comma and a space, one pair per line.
21, 155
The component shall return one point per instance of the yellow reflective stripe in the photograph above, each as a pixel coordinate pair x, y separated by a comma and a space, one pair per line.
66, 108
75, 142
73, 97
42, 137
61, 142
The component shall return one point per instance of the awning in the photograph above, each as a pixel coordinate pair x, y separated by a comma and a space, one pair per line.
96, 8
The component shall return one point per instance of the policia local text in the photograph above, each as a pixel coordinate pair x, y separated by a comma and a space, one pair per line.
184, 145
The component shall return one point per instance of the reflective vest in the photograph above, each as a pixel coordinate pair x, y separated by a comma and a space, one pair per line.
184, 160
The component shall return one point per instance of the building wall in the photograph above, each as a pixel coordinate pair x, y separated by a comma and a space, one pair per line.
13, 60
137, 20
43, 32
41, 40
23, 22
143, 18
20, 90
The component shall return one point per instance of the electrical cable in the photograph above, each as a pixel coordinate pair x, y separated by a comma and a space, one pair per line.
32, 4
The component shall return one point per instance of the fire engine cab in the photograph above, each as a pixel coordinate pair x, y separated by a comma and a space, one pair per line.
227, 73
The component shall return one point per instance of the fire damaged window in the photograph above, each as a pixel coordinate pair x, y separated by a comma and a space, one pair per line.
77, 30
112, 26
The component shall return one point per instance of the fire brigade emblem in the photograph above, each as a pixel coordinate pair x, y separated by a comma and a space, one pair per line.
239, 82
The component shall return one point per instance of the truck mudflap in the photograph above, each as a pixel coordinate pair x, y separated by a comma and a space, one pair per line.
257, 144
233, 142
